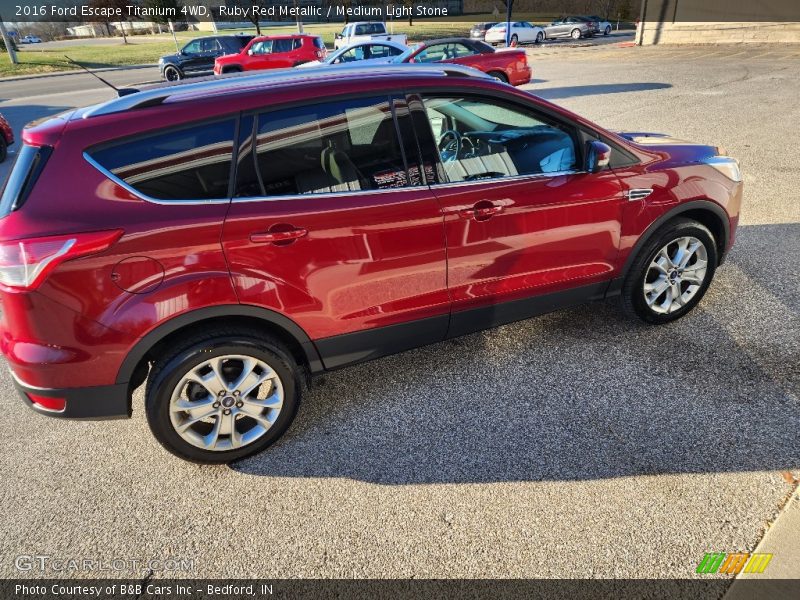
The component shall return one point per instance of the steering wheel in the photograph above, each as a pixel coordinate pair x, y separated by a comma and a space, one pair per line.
450, 149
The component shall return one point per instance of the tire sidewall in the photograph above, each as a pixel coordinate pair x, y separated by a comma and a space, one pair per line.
3, 149
575, 37
160, 391
178, 75
635, 283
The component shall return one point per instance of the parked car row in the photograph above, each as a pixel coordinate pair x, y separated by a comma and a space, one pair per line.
6, 137
576, 27
231, 54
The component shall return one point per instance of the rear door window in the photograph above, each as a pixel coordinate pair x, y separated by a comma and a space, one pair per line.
348, 145
279, 46
191, 163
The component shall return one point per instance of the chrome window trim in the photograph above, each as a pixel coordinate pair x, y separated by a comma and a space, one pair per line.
508, 178
127, 187
248, 199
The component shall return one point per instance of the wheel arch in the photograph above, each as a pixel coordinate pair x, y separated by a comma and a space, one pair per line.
135, 366
707, 212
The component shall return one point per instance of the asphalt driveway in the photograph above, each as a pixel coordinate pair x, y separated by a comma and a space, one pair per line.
576, 444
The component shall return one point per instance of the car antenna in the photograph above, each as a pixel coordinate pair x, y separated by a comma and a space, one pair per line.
120, 91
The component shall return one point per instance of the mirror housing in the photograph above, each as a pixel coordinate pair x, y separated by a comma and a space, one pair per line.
250, 52
338, 36
598, 156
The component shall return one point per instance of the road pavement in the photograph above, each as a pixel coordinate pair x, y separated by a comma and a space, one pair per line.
576, 444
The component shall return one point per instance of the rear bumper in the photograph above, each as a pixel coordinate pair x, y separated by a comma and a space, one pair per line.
101, 402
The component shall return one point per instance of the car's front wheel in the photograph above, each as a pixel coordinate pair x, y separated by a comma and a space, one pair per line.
539, 37
671, 274
172, 73
3, 149
222, 395
607, 30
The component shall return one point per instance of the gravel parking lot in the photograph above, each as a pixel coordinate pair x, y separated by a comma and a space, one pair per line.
576, 444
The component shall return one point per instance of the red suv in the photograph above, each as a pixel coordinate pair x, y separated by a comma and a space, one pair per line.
224, 240
273, 52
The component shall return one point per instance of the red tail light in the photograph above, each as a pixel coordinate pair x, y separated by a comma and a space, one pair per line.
319, 54
24, 264
54, 404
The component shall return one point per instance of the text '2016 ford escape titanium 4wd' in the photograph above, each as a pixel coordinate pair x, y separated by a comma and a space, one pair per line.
223, 240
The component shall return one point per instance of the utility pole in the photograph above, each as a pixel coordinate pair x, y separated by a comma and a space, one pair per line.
508, 21
7, 40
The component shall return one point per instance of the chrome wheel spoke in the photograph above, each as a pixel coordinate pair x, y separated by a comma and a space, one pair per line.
255, 406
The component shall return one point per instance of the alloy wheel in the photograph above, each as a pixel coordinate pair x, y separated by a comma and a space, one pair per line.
675, 275
226, 402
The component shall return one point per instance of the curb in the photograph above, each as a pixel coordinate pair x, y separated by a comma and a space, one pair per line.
75, 72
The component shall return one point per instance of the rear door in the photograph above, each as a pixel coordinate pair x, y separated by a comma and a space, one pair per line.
284, 52
332, 226
523, 219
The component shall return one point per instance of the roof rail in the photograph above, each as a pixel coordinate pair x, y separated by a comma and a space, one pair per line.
157, 95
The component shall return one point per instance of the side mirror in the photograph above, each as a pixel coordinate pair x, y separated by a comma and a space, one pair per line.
338, 36
250, 52
598, 156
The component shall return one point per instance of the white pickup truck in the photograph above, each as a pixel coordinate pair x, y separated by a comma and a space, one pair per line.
366, 31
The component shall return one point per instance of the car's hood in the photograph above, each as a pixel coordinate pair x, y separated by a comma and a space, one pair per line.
676, 148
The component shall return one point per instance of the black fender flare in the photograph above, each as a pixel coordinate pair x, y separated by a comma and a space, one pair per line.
149, 340
706, 205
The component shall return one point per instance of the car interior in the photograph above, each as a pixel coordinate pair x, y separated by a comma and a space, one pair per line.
479, 140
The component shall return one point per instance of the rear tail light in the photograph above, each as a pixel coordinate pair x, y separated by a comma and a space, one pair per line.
24, 264
319, 54
54, 404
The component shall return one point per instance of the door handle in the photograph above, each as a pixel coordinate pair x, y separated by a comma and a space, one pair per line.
274, 237
481, 211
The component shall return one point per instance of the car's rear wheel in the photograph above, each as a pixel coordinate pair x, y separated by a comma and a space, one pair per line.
607, 30
576, 34
515, 39
539, 37
222, 395
172, 73
499, 75
234, 69
3, 149
671, 274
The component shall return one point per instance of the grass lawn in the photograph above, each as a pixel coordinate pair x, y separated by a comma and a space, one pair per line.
145, 49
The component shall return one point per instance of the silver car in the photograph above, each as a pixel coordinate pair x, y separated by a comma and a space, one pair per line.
571, 27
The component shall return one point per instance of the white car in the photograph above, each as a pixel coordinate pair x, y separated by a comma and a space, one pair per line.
31, 39
364, 53
522, 32
366, 31
603, 26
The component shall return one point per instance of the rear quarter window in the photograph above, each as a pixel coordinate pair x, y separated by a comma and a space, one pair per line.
26, 169
191, 163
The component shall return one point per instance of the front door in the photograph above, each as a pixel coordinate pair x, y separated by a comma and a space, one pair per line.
523, 219
329, 227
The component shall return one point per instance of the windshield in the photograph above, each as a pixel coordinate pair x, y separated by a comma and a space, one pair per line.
407, 54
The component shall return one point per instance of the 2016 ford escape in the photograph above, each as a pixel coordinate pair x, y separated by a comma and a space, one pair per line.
223, 240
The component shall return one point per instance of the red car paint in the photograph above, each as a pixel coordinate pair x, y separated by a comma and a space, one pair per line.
304, 48
367, 261
6, 131
512, 64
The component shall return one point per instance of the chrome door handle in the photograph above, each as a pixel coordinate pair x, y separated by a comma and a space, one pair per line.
271, 237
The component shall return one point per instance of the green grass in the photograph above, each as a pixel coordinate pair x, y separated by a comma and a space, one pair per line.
145, 49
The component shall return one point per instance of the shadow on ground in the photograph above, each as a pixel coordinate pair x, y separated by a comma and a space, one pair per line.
578, 394
559, 93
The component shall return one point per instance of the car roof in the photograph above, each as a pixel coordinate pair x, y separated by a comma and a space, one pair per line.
449, 40
264, 80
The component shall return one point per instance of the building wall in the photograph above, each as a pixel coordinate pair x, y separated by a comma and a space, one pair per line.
718, 33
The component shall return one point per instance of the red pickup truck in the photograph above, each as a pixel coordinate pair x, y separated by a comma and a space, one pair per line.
509, 66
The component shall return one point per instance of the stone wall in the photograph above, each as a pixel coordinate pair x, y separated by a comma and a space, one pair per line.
717, 33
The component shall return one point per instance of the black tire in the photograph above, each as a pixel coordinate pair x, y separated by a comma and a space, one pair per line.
499, 75
607, 30
167, 373
634, 303
515, 39
172, 73
3, 149
231, 70
539, 37
575, 34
